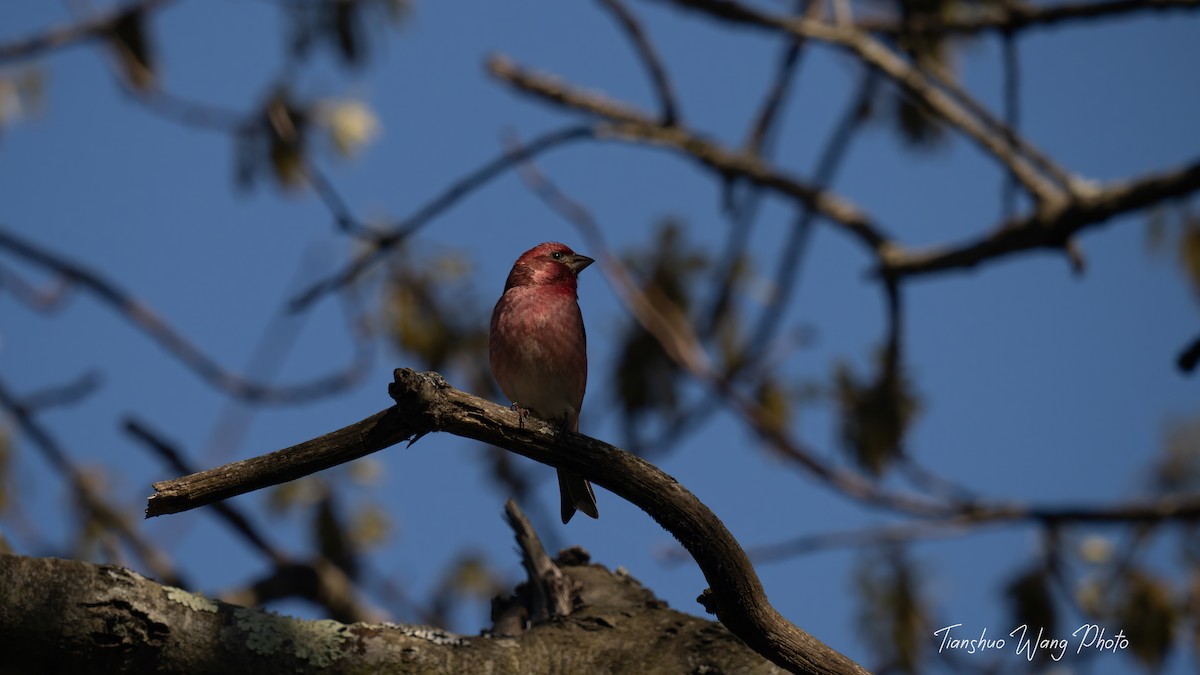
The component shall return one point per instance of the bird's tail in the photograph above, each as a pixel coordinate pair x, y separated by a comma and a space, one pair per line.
576, 493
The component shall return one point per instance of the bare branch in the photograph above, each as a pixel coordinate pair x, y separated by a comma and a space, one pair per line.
63, 394
71, 34
1166, 509
85, 491
649, 56
231, 515
772, 103
48, 299
426, 403
1019, 16
1189, 356
381, 430
551, 594
836, 150
144, 318
631, 125
983, 129
386, 241
1050, 230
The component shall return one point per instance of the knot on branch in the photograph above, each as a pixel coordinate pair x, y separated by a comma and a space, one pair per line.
417, 393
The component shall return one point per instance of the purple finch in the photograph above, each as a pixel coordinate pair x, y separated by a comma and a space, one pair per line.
538, 350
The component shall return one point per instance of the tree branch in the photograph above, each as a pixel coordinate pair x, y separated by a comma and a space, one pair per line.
1050, 230
631, 125
387, 241
649, 56
144, 318
1018, 16
425, 403
70, 34
377, 432
85, 491
983, 128
65, 616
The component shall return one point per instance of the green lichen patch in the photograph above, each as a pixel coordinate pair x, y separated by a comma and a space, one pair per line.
318, 643
193, 601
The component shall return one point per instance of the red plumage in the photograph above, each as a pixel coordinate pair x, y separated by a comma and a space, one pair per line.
538, 349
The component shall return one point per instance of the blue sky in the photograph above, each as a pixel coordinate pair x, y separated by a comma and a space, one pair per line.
1037, 384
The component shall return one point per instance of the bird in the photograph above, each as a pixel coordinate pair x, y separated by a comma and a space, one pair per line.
537, 347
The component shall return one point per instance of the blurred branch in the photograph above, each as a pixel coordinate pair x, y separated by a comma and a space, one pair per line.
759, 141
787, 272
335, 203
64, 394
227, 512
388, 240
772, 103
1166, 509
1012, 117
320, 582
75, 33
85, 492
1050, 230
830, 161
650, 60
46, 299
1017, 16
1189, 356
187, 112
942, 97
631, 125
875, 536
426, 403
175, 343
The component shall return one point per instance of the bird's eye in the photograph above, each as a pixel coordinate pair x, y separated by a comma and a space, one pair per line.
557, 255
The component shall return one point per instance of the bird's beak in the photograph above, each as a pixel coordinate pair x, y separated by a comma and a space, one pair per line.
578, 262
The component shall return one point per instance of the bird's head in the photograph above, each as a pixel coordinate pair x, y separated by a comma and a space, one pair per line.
548, 264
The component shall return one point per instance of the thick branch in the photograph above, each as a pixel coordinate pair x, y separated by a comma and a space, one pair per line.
64, 616
425, 403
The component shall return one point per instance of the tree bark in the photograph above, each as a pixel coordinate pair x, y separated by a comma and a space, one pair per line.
60, 616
